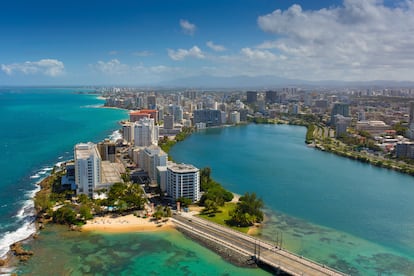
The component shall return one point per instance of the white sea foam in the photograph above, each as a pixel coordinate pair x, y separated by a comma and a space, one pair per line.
92, 106
35, 176
25, 217
27, 229
116, 135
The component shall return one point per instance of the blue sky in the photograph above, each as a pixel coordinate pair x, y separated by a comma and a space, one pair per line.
153, 41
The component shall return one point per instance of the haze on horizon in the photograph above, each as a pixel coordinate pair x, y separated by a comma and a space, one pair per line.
153, 42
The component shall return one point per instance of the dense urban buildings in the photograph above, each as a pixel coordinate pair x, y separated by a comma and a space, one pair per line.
369, 120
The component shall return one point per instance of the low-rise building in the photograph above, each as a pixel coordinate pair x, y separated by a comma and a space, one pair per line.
373, 127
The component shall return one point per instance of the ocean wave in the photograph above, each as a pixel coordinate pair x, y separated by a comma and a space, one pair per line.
35, 176
92, 106
116, 135
28, 228
25, 216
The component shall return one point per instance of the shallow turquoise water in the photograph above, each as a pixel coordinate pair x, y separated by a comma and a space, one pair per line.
41, 126
63, 252
350, 215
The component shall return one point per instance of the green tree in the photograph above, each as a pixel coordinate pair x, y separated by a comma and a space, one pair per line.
400, 128
210, 206
133, 196
159, 212
168, 212
42, 202
248, 210
85, 212
185, 202
65, 215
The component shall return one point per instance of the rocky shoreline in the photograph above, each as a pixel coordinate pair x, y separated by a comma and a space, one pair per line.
230, 255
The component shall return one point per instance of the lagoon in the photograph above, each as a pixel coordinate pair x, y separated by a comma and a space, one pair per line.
350, 215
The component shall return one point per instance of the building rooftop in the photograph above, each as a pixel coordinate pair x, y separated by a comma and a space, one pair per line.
111, 172
85, 150
181, 168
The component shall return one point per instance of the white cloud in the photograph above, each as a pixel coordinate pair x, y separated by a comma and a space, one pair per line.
187, 27
360, 39
215, 47
258, 55
112, 67
48, 67
181, 54
113, 53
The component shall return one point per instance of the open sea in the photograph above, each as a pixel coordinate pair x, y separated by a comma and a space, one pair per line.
40, 127
349, 215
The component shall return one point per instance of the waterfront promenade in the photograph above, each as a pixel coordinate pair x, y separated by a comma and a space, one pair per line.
265, 253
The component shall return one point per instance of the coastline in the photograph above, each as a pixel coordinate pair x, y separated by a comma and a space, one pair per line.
125, 224
385, 163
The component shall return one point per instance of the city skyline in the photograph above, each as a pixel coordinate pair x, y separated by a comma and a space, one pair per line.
159, 42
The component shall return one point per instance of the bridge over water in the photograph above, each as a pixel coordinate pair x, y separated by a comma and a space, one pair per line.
264, 252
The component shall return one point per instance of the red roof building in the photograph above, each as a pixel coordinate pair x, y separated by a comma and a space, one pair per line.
143, 113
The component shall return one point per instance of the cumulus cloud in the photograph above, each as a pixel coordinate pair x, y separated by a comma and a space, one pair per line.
258, 55
48, 67
215, 47
181, 54
187, 27
112, 67
360, 39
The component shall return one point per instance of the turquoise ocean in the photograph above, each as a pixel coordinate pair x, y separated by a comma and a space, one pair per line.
349, 215
40, 127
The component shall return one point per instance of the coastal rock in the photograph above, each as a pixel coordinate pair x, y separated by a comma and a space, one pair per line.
75, 228
20, 252
226, 253
2, 262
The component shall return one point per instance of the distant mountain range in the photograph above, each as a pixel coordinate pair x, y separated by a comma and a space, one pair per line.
269, 82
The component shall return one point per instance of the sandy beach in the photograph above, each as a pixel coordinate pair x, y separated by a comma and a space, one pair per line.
129, 223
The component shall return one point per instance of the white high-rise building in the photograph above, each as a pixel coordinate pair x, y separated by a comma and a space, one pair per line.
183, 181
235, 117
128, 131
145, 132
150, 158
87, 168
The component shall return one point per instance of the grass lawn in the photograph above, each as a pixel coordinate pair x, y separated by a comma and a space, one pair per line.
223, 215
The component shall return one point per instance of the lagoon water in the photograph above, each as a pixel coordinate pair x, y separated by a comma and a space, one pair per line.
349, 215
40, 126
352, 216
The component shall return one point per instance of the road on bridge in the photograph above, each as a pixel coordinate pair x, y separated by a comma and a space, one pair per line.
251, 246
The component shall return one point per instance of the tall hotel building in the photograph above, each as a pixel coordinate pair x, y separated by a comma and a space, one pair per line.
87, 168
183, 181
145, 132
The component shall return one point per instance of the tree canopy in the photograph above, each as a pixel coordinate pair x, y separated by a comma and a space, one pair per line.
248, 210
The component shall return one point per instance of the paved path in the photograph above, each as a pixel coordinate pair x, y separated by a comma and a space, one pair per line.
248, 245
